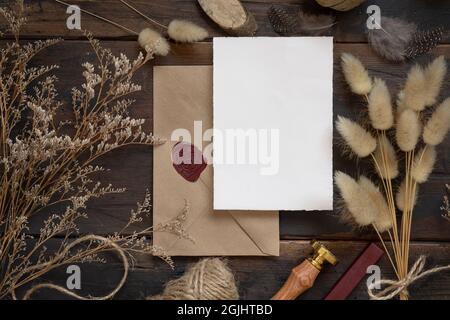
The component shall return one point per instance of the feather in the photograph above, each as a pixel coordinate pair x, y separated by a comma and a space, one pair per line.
314, 25
423, 42
392, 39
283, 22
186, 31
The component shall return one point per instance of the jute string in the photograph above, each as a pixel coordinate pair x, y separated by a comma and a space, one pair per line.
61, 289
396, 287
208, 279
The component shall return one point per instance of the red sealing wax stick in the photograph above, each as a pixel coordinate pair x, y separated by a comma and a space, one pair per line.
357, 271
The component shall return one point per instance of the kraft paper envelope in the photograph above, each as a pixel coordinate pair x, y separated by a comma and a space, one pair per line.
182, 95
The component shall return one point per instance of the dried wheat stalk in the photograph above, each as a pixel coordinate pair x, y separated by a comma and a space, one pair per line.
45, 163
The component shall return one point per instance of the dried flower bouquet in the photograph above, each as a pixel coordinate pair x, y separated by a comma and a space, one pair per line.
45, 163
416, 138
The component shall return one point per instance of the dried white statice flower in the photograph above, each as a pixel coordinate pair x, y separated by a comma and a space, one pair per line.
186, 31
386, 159
152, 41
423, 164
438, 125
434, 76
356, 74
400, 197
356, 199
49, 165
408, 130
361, 142
383, 219
380, 106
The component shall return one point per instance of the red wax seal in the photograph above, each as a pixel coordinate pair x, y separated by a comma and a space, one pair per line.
188, 161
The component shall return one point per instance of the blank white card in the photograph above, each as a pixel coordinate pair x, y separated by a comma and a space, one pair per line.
273, 125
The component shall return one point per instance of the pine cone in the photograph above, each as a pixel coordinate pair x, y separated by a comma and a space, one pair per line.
282, 21
423, 42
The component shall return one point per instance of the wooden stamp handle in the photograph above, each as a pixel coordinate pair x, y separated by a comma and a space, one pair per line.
301, 279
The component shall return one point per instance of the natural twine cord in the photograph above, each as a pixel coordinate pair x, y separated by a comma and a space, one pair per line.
119, 286
208, 279
396, 287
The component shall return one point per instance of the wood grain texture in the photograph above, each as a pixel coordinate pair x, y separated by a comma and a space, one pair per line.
257, 278
110, 213
47, 17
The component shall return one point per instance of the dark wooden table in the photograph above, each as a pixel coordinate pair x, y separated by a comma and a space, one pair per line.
131, 167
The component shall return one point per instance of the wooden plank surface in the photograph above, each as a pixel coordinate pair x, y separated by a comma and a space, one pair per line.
257, 278
110, 213
46, 17
431, 232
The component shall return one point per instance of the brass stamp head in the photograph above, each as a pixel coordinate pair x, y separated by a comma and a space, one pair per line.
321, 255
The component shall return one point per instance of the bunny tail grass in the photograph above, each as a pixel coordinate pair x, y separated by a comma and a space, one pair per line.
408, 130
438, 125
383, 220
151, 40
186, 31
380, 106
434, 75
423, 164
360, 141
415, 89
356, 74
389, 164
400, 197
356, 199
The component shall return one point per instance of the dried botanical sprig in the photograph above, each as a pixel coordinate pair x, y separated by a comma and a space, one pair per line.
49, 165
380, 106
434, 75
408, 130
403, 194
421, 90
356, 199
383, 219
386, 158
186, 31
423, 164
438, 125
152, 41
360, 141
356, 74
414, 92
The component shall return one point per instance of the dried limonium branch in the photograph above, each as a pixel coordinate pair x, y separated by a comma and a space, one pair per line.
416, 137
446, 204
49, 164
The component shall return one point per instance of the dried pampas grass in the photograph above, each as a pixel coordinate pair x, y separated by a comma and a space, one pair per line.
434, 76
408, 130
383, 220
423, 164
360, 141
400, 197
151, 40
438, 125
386, 158
415, 89
356, 74
380, 107
356, 199
186, 31
392, 39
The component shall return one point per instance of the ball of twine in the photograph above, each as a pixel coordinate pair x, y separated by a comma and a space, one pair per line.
208, 279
